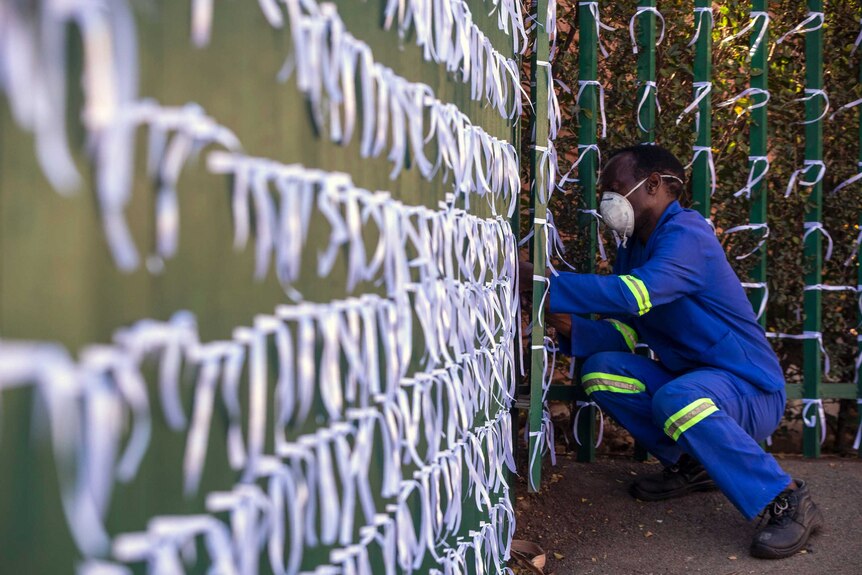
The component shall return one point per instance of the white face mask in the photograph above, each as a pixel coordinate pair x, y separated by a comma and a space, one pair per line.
617, 211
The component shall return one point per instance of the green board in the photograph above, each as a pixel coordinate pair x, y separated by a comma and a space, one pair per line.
59, 283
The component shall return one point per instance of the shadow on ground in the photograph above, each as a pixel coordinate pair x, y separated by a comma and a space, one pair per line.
587, 523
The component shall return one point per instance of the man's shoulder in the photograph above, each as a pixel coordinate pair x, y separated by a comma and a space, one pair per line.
686, 222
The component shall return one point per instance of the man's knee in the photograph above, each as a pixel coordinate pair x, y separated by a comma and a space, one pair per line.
677, 407
605, 362
602, 374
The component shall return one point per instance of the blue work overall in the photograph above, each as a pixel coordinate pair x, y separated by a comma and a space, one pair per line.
717, 389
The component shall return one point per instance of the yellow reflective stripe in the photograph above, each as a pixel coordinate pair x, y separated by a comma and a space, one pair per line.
611, 382
626, 331
689, 415
639, 290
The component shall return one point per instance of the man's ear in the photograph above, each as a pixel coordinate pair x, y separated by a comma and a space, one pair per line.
653, 183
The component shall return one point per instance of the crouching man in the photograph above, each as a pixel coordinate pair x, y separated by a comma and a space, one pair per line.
717, 389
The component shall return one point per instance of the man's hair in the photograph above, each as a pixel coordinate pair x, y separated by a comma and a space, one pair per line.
649, 158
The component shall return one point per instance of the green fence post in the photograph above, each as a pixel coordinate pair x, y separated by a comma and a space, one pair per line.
539, 95
813, 257
701, 177
647, 98
757, 148
588, 110
859, 281
646, 113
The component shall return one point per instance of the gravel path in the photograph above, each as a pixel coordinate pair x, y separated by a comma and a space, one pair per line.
587, 523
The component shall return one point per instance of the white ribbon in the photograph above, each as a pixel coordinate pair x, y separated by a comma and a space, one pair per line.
749, 27
812, 93
582, 152
801, 27
807, 165
701, 90
551, 26
97, 567
546, 179
647, 86
815, 335
167, 536
754, 177
847, 106
582, 84
250, 519
699, 13
764, 299
824, 287
555, 117
581, 405
594, 10
257, 391
49, 367
811, 420
751, 227
858, 439
698, 150
534, 454
747, 93
643, 10
208, 357
851, 180
810, 228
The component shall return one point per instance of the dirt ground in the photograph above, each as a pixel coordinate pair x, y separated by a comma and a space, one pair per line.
587, 523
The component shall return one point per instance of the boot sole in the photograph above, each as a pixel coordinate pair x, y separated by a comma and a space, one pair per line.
638, 493
765, 552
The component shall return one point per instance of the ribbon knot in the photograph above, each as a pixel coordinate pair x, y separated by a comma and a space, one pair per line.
810, 228
812, 419
700, 12
755, 15
645, 10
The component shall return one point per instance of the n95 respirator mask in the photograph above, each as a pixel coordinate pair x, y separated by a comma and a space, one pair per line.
617, 211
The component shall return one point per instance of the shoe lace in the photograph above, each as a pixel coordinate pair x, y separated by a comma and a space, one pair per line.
671, 470
780, 511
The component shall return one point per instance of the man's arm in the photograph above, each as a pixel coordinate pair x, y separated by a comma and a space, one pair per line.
678, 266
580, 337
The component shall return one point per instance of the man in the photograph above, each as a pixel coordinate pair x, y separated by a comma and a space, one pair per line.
717, 388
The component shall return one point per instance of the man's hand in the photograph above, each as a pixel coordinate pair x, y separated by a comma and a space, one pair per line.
562, 322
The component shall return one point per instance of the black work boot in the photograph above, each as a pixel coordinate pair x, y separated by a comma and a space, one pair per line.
686, 476
793, 518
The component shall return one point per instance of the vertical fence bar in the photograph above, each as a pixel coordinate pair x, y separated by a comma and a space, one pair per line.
587, 122
859, 282
646, 96
758, 141
813, 258
701, 178
539, 95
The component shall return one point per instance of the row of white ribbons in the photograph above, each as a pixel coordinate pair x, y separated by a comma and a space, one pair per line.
109, 383
329, 63
445, 31
283, 197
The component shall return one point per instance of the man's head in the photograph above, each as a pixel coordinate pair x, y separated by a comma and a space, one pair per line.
649, 176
